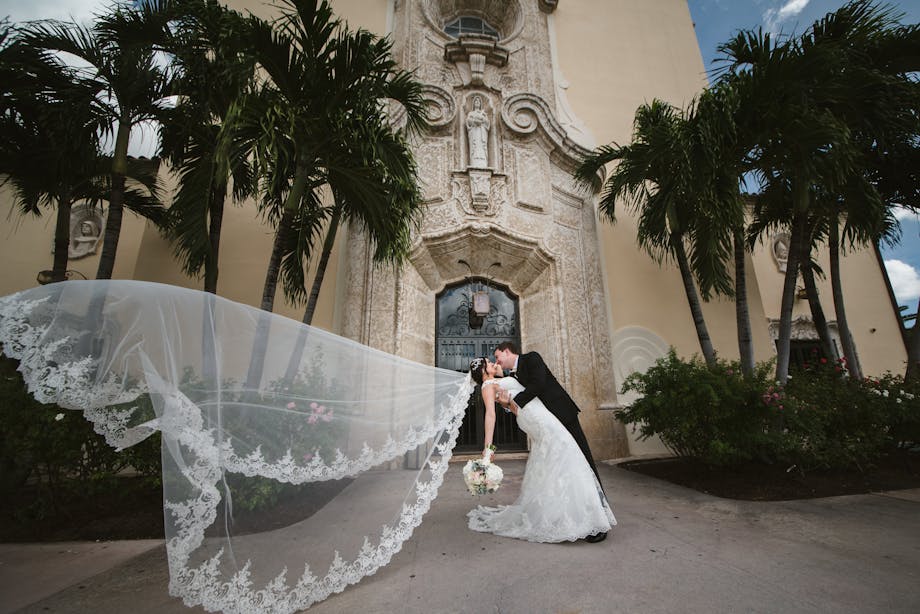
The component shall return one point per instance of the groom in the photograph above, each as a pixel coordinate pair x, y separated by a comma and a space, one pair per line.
530, 370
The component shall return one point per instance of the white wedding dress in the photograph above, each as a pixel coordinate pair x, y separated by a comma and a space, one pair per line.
561, 499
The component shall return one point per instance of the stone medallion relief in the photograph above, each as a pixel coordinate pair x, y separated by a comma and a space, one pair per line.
86, 227
496, 174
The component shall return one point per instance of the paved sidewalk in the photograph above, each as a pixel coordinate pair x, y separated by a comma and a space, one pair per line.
675, 550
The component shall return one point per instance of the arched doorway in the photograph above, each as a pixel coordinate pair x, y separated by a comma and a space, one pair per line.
460, 338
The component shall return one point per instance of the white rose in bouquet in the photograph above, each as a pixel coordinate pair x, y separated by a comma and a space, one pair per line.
481, 478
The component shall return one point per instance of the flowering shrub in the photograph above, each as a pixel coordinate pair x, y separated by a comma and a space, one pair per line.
821, 418
711, 414
309, 429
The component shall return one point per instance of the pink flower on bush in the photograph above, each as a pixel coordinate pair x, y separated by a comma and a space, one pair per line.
312, 419
291, 405
307, 458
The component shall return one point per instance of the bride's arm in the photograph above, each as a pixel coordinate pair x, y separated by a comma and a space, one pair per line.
488, 398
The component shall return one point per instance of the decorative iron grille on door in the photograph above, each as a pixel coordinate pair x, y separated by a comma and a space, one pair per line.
457, 343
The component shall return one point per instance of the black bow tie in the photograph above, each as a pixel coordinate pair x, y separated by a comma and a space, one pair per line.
513, 374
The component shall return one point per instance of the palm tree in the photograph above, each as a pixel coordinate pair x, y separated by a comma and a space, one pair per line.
47, 145
796, 139
206, 43
814, 101
720, 165
317, 120
386, 204
49, 152
655, 177
130, 82
323, 84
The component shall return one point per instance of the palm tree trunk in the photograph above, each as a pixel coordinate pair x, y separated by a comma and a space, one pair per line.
282, 235
260, 341
218, 197
693, 299
913, 352
846, 339
321, 267
116, 202
208, 346
269, 289
297, 353
814, 303
742, 313
61, 239
797, 237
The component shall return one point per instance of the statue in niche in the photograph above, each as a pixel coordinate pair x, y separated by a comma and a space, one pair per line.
477, 132
85, 232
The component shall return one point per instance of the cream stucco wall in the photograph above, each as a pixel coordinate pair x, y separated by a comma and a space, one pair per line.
614, 55
27, 247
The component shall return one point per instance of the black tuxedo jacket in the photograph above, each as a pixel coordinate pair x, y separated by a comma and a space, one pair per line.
538, 381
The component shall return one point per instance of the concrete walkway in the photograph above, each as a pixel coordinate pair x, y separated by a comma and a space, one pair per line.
675, 551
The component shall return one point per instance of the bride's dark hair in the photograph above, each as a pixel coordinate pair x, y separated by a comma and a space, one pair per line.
477, 368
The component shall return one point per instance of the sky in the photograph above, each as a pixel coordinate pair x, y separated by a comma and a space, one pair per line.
715, 22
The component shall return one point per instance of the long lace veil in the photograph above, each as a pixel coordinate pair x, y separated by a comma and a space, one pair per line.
332, 451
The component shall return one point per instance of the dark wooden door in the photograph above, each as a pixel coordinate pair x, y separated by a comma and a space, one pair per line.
460, 338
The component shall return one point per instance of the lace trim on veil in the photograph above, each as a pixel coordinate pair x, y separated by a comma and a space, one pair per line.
72, 384
202, 585
68, 384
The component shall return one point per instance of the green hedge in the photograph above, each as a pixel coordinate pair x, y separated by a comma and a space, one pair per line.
821, 418
56, 451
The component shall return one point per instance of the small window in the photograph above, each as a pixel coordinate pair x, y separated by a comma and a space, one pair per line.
469, 25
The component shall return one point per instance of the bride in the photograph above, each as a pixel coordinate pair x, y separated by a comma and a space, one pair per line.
561, 499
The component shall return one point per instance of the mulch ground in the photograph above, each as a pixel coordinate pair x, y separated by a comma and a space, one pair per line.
760, 482
135, 509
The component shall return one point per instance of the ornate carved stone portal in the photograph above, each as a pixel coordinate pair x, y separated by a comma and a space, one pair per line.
496, 173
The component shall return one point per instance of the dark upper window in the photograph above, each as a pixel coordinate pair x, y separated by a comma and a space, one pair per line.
469, 25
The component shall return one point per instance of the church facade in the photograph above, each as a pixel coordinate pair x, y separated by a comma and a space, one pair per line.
509, 246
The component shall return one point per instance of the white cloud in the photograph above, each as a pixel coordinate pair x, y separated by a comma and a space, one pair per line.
905, 214
26, 10
774, 17
905, 280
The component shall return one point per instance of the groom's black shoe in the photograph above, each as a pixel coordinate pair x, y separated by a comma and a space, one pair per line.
593, 539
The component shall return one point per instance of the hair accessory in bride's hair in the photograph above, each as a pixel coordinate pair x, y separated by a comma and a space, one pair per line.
476, 364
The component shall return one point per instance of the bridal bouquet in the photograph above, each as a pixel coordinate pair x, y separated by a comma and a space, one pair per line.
482, 477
